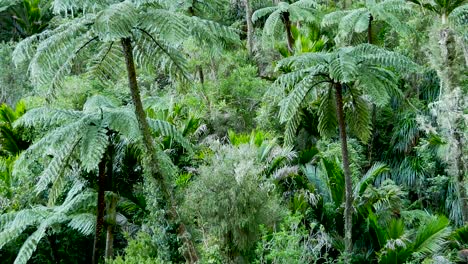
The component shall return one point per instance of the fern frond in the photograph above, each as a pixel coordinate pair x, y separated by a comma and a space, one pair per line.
166, 129
263, 12
291, 128
83, 223
30, 245
290, 105
93, 146
342, 67
10, 234
358, 118
210, 32
123, 121
327, 114
108, 64
116, 21
153, 53
57, 165
46, 117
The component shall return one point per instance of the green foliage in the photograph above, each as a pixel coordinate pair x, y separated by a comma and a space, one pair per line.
13, 80
75, 210
232, 204
139, 250
303, 10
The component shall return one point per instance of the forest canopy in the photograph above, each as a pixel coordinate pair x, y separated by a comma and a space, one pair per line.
234, 131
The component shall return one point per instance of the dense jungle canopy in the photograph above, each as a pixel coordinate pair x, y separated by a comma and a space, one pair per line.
233, 131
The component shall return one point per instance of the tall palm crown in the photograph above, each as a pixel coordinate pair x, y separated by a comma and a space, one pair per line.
360, 19
283, 14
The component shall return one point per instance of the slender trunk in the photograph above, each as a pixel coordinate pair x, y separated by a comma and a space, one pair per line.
250, 29
53, 248
200, 74
190, 253
111, 208
111, 222
101, 206
287, 25
374, 108
450, 81
461, 171
348, 213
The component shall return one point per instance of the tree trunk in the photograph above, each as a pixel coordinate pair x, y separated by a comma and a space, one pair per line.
190, 253
53, 248
111, 205
201, 76
461, 171
374, 108
250, 29
111, 222
348, 213
287, 25
450, 82
101, 206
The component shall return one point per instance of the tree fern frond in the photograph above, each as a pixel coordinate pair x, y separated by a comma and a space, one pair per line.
92, 147
57, 166
116, 21
343, 68
10, 234
155, 53
165, 25
374, 55
459, 16
328, 121
123, 121
262, 12
46, 117
73, 6
108, 64
96, 103
30, 245
358, 118
290, 104
83, 223
291, 128
210, 32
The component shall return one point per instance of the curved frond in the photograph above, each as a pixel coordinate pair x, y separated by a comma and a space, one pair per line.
168, 130
30, 245
263, 12
328, 121
83, 223
116, 21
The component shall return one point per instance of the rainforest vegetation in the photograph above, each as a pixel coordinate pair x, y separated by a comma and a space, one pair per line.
233, 131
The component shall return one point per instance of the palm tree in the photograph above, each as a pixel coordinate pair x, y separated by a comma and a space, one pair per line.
147, 33
75, 211
360, 20
287, 13
348, 73
84, 137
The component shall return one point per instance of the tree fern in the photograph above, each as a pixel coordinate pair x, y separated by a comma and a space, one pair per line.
364, 68
359, 20
44, 217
